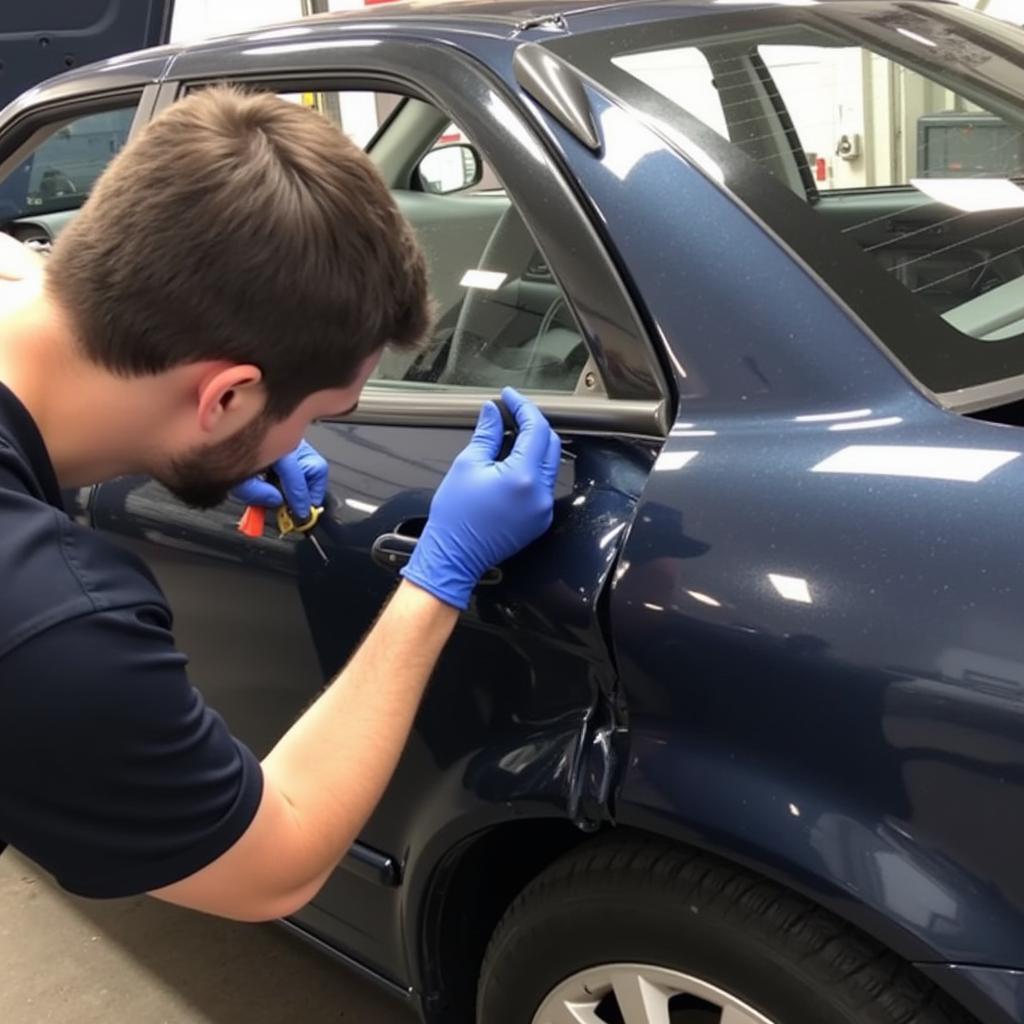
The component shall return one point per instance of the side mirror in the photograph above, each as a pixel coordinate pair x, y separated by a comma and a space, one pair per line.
448, 169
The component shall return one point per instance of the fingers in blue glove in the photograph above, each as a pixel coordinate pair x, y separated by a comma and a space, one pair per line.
256, 491
485, 511
534, 436
293, 483
489, 430
317, 472
551, 461
303, 475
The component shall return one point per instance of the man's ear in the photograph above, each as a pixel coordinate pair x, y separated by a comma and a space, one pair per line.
229, 396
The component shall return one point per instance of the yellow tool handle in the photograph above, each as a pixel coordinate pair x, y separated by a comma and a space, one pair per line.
286, 524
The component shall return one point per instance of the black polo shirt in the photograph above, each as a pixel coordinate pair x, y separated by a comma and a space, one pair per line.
114, 775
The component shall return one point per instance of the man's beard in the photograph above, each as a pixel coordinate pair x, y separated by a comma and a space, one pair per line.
203, 477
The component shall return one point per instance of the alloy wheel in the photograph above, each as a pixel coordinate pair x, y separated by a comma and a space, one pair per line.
641, 994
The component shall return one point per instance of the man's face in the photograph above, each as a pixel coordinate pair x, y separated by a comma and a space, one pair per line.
203, 477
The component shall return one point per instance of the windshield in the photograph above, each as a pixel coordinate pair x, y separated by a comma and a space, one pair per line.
883, 141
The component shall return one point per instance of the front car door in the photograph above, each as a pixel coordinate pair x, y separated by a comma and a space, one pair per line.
522, 720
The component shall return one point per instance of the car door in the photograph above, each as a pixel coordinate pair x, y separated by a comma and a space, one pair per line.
44, 39
520, 720
64, 155
76, 129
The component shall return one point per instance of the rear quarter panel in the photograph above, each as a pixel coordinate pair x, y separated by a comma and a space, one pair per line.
825, 669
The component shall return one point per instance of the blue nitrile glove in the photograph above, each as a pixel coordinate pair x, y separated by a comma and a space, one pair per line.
485, 511
303, 476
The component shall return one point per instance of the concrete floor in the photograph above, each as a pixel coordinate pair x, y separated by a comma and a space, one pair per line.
65, 960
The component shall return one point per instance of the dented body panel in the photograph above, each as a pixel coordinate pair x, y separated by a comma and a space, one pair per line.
521, 712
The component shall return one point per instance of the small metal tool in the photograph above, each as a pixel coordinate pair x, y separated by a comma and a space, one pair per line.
286, 524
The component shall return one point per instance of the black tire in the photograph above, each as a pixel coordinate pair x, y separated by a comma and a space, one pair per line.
631, 900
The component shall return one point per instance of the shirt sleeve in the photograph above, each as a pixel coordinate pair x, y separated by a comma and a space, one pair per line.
114, 774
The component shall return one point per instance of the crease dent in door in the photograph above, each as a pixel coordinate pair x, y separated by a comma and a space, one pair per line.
603, 743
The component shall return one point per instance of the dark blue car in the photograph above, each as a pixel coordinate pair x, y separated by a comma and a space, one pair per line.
741, 740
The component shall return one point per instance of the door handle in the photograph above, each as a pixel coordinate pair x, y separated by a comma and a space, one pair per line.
393, 550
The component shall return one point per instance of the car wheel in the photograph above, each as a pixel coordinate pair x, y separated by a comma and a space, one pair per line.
643, 932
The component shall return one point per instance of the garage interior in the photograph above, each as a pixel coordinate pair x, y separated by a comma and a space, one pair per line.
65, 960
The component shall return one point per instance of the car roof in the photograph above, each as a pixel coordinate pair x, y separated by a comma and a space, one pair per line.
502, 18
493, 19
516, 12
506, 12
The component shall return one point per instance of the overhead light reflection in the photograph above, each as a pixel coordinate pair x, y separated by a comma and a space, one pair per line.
627, 142
792, 588
282, 33
889, 421
673, 460
610, 536
704, 598
326, 44
361, 506
509, 119
969, 465
693, 433
486, 280
654, 607
972, 195
827, 417
917, 39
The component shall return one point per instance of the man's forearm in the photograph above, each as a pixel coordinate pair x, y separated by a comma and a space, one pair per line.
333, 765
324, 778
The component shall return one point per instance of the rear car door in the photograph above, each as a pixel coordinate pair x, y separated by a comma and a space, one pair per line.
521, 719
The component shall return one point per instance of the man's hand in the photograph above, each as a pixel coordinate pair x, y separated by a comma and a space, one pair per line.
485, 511
303, 477
325, 776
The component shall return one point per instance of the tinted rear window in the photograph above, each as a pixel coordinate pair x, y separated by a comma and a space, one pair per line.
893, 131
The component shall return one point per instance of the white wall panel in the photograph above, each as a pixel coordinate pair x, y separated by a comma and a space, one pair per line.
196, 19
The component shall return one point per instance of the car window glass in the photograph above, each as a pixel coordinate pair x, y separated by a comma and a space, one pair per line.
453, 137
684, 76
865, 125
922, 130
61, 170
501, 318
358, 114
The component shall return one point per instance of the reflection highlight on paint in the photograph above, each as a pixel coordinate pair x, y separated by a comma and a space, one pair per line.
967, 465
673, 460
792, 588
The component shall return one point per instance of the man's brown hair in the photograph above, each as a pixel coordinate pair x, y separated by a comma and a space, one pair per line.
240, 226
